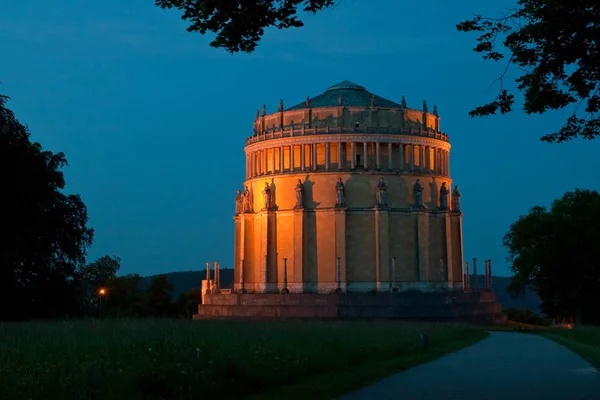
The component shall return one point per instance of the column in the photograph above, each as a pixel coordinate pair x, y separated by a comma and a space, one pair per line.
256, 163
366, 154
302, 158
433, 160
390, 148
340, 163
448, 169
353, 155
377, 156
264, 160
421, 158
273, 156
313, 154
401, 159
442, 162
327, 156
411, 166
444, 166
281, 159
292, 158
428, 158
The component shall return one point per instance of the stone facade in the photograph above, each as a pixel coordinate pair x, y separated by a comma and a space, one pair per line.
382, 240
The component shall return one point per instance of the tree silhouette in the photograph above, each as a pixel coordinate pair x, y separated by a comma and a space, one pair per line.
238, 24
556, 48
43, 233
556, 252
159, 297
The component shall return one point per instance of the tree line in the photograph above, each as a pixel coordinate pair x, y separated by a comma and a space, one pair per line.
108, 295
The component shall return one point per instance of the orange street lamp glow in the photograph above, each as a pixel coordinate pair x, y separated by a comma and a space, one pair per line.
102, 292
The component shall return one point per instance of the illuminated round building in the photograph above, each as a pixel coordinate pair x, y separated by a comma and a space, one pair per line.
348, 191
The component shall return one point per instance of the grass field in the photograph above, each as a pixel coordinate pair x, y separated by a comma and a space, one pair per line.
178, 359
583, 340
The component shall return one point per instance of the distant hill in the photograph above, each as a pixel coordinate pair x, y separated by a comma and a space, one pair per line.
187, 280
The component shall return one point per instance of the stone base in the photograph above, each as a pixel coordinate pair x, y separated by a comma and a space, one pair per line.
456, 306
352, 287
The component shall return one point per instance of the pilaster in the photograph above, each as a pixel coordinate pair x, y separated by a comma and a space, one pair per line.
263, 255
422, 245
382, 249
297, 261
340, 243
449, 256
240, 222
456, 219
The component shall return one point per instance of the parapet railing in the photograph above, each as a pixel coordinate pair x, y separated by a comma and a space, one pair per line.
278, 133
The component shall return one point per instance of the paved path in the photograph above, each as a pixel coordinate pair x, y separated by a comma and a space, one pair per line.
505, 365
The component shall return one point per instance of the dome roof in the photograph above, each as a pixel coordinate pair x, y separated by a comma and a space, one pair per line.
351, 94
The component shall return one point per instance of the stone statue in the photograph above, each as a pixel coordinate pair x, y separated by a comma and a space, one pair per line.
418, 194
403, 102
264, 110
424, 105
280, 108
339, 100
307, 102
239, 207
435, 111
267, 197
381, 197
443, 197
456, 199
246, 200
372, 100
299, 195
340, 198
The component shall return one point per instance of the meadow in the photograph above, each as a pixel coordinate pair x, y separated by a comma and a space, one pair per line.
181, 359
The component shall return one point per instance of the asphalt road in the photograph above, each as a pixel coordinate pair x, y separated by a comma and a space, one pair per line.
505, 365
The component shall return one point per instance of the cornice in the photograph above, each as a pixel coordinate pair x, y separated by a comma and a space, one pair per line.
357, 138
345, 172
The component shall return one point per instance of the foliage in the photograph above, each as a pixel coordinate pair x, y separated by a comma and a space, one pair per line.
555, 46
124, 297
178, 359
238, 24
556, 252
44, 232
187, 303
93, 277
101, 270
159, 297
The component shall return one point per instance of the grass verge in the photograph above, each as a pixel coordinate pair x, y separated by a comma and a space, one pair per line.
584, 341
177, 359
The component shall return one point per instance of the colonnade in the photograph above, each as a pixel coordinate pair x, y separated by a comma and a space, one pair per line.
344, 156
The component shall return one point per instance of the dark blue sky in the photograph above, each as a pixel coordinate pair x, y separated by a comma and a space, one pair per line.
153, 120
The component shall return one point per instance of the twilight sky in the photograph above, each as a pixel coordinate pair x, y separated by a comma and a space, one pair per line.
153, 120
